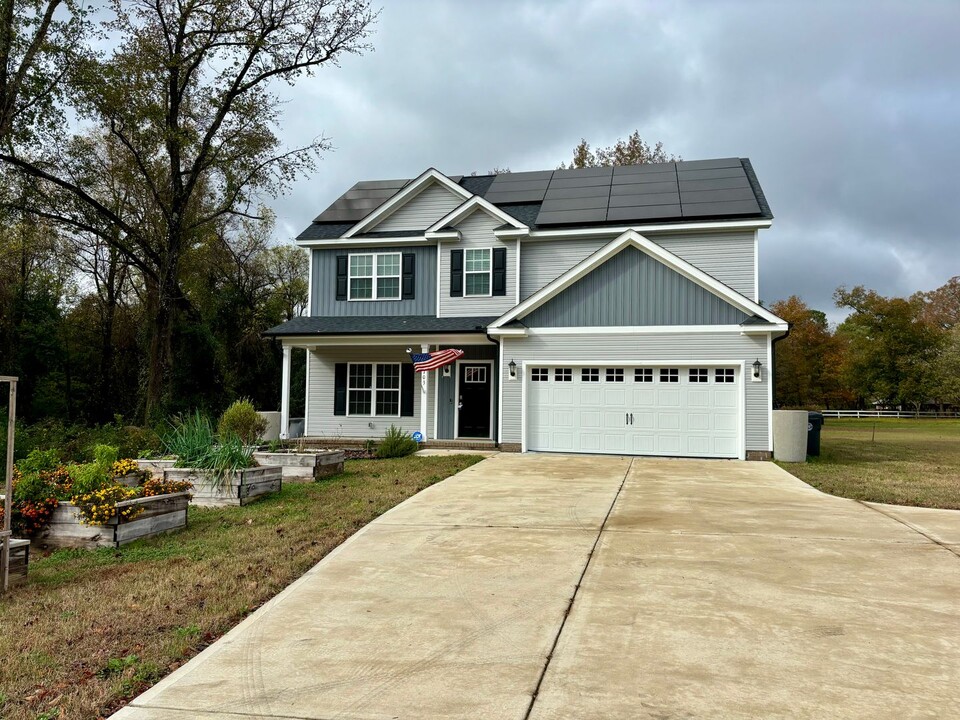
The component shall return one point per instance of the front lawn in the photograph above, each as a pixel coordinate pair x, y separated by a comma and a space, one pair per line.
92, 629
901, 462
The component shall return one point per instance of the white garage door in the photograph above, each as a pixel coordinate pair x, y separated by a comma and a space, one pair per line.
681, 411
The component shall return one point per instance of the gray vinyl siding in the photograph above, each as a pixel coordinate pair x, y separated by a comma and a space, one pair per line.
476, 231
448, 386
421, 211
597, 349
634, 289
729, 257
325, 303
323, 423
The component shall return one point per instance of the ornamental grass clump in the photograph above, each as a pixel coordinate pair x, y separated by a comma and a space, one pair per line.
196, 445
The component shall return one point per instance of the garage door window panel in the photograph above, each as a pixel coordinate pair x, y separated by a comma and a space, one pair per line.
669, 375
614, 375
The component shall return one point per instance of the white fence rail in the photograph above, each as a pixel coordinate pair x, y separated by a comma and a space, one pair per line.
904, 414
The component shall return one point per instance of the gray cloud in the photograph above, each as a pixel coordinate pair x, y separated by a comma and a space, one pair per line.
849, 112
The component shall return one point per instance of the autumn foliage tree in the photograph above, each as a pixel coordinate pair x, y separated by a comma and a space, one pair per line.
632, 151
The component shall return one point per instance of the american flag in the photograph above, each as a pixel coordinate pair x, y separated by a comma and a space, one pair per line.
431, 361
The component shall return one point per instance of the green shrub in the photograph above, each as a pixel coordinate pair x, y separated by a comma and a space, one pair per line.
38, 461
105, 456
76, 442
87, 478
396, 443
241, 419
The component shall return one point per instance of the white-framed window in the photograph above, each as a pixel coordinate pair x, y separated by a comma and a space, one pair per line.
669, 375
476, 374
373, 389
374, 276
643, 375
590, 375
699, 375
540, 374
723, 375
563, 375
614, 374
477, 272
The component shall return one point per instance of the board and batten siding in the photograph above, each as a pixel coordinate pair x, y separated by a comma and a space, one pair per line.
662, 348
323, 265
448, 387
476, 231
633, 289
322, 423
729, 257
421, 211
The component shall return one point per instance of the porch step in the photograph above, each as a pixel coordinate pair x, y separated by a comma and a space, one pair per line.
318, 442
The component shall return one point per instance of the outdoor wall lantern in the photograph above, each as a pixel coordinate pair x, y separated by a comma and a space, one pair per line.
756, 370
513, 370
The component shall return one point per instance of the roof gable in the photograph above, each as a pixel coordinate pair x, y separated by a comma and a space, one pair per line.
633, 289
635, 239
420, 202
471, 206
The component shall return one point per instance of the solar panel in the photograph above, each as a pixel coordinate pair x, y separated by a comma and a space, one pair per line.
522, 187
360, 200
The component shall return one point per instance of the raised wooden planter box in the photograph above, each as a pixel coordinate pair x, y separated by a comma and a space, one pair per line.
156, 467
237, 489
161, 513
19, 560
301, 467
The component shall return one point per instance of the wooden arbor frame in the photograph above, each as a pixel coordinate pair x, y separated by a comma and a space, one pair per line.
5, 533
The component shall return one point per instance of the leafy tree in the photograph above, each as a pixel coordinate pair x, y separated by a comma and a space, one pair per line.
185, 100
946, 369
941, 307
808, 360
892, 349
632, 151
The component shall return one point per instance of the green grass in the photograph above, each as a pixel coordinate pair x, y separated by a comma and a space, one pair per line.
901, 462
92, 629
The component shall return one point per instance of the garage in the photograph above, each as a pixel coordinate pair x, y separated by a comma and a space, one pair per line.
668, 410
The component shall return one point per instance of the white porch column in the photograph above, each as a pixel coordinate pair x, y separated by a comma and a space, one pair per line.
285, 393
423, 396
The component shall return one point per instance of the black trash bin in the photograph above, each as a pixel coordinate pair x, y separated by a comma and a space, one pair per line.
814, 423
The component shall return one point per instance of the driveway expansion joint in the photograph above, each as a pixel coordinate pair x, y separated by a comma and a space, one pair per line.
576, 589
946, 546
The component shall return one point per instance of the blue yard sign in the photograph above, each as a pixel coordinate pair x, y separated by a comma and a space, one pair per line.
418, 436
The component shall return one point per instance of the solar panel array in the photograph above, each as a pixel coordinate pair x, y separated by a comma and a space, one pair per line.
661, 191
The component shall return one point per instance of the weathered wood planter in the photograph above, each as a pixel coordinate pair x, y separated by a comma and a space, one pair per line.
161, 513
156, 467
237, 489
301, 467
19, 560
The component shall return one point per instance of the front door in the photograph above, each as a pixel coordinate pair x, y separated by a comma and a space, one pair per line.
473, 401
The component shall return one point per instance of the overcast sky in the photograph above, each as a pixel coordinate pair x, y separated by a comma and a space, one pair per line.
849, 112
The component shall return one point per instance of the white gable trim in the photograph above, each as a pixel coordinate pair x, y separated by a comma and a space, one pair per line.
635, 239
406, 194
470, 206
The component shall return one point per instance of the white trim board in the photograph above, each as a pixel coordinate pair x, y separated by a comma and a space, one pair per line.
635, 239
475, 203
384, 340
639, 330
653, 227
408, 192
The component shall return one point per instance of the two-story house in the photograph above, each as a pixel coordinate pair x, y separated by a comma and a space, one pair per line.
600, 310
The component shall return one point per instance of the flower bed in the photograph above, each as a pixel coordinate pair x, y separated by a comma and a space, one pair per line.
129, 520
299, 467
236, 488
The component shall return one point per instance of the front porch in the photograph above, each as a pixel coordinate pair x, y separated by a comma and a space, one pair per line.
357, 387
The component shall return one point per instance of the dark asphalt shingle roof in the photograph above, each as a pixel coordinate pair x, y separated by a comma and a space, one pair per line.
379, 325
684, 191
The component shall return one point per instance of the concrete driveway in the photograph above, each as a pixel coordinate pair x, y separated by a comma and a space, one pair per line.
539, 586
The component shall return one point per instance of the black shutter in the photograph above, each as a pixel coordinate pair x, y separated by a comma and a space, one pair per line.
340, 389
409, 276
341, 277
406, 389
456, 273
499, 271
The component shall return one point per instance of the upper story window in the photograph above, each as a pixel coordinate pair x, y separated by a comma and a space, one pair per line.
374, 276
477, 272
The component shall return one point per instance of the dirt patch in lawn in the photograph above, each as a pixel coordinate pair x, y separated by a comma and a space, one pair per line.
93, 629
901, 462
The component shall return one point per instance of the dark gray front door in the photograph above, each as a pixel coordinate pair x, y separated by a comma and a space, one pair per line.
474, 383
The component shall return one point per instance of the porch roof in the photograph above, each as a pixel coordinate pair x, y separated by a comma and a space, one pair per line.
379, 325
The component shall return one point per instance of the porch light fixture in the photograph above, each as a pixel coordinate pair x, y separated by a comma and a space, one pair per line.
756, 370
513, 370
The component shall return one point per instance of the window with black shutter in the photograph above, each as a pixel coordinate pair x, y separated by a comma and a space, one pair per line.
500, 271
456, 273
